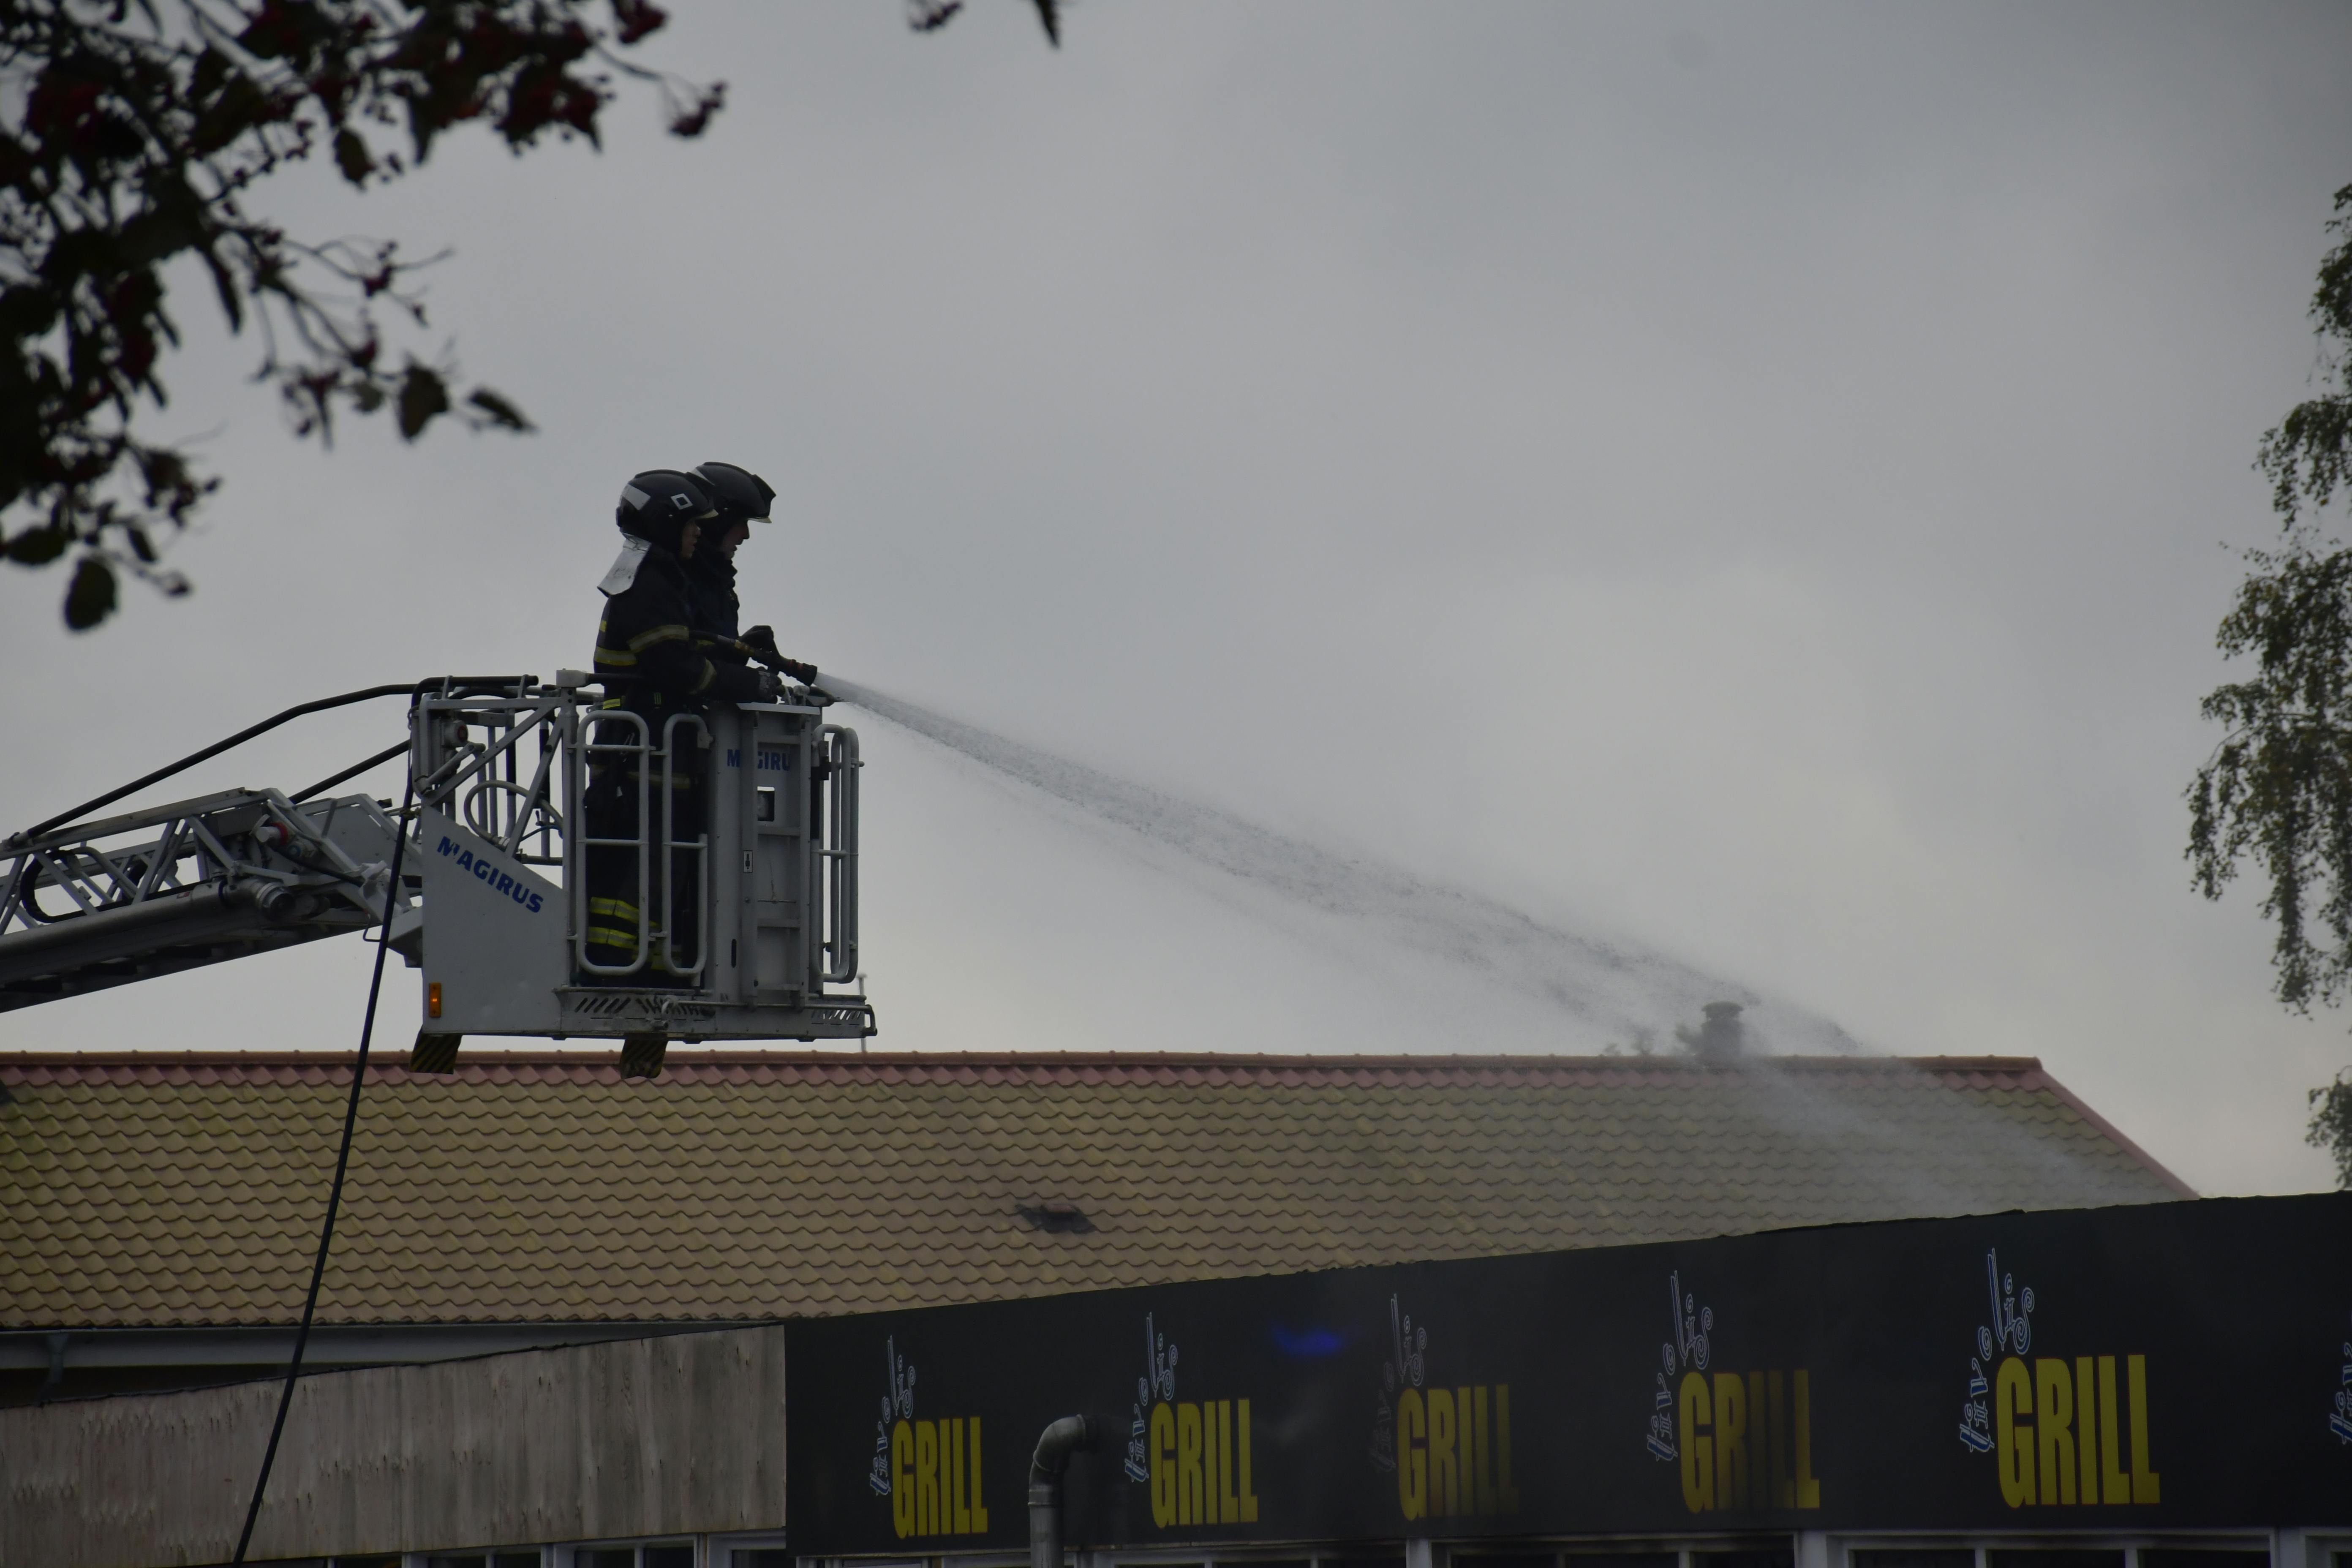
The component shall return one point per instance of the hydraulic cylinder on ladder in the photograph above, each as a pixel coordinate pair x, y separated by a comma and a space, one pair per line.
742, 846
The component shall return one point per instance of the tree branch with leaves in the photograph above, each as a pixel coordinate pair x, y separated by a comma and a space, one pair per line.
2277, 791
137, 133
134, 133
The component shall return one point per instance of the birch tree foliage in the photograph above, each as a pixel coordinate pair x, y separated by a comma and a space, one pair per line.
2275, 796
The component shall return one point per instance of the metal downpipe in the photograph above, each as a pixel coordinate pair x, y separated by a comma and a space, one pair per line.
1070, 1434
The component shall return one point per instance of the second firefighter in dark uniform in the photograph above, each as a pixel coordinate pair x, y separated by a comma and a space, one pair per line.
646, 644
740, 499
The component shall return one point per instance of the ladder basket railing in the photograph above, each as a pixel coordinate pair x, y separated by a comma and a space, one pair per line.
839, 853
590, 754
699, 846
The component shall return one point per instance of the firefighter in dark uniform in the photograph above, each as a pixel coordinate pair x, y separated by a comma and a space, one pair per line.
645, 642
740, 498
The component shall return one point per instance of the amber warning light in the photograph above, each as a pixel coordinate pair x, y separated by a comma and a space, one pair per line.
433, 999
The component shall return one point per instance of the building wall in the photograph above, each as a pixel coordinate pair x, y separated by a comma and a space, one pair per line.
684, 1433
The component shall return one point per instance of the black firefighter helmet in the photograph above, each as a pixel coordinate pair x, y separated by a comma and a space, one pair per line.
740, 495
658, 504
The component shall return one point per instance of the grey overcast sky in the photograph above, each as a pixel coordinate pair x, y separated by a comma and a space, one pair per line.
1748, 482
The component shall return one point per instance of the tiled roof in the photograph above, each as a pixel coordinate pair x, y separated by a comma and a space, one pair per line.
182, 1190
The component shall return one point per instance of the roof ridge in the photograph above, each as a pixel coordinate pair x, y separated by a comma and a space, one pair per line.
1259, 1060
2081, 1109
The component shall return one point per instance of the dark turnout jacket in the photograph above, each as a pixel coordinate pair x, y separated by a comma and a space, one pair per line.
648, 632
710, 595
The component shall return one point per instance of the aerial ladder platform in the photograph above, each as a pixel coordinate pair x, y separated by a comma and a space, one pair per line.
747, 928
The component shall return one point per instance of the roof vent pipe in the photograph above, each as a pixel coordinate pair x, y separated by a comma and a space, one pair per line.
1070, 1434
1722, 1036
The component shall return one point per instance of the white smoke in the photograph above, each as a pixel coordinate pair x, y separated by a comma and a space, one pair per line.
1873, 1145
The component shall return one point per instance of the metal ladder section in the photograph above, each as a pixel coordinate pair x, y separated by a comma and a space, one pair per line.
177, 886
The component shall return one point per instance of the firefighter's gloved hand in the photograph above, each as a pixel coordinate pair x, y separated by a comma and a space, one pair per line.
760, 637
803, 673
770, 687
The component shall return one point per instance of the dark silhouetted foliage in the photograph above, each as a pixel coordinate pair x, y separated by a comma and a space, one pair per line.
132, 134
2331, 1125
2278, 789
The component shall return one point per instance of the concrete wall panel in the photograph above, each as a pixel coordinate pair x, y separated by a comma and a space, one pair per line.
683, 1432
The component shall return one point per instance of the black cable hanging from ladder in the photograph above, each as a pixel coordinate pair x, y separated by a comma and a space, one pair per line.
342, 1162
